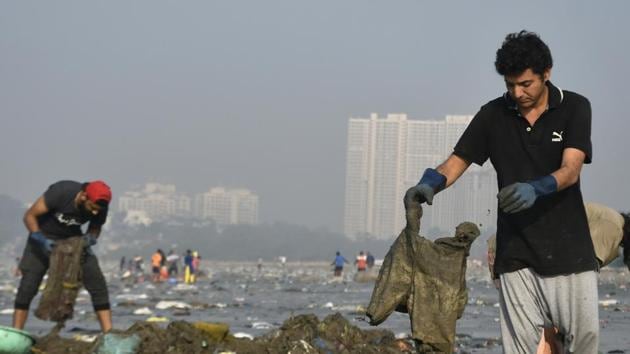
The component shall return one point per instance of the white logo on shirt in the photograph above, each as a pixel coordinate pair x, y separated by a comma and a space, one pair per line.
557, 136
62, 219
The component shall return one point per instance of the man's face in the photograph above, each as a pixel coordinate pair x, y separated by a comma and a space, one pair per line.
527, 88
89, 207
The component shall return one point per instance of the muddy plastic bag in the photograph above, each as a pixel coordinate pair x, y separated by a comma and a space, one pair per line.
426, 280
64, 281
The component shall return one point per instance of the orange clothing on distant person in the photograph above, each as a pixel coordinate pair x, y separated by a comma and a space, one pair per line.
361, 262
156, 259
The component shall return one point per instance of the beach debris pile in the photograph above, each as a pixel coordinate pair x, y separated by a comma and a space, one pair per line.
300, 334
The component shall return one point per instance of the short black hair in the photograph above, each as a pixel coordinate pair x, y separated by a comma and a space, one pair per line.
521, 51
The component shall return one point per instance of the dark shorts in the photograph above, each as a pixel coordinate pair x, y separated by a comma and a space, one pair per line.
156, 270
34, 265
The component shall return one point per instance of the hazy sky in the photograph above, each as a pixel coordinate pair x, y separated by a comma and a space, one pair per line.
257, 94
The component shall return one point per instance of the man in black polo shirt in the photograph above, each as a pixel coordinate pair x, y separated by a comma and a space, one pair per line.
56, 215
537, 137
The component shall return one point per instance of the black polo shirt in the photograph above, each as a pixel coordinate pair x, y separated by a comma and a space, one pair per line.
552, 236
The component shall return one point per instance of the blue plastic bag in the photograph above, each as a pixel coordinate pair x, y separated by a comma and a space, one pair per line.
118, 344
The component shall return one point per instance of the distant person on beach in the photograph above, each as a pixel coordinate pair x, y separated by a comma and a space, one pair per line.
162, 257
172, 259
189, 270
370, 260
196, 266
259, 265
156, 263
58, 214
338, 263
537, 137
122, 264
138, 264
361, 262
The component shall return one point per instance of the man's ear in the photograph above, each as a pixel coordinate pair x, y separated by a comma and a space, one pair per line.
547, 75
82, 196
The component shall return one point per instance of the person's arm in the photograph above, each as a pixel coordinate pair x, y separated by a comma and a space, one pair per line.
30, 216
452, 169
569, 172
32, 225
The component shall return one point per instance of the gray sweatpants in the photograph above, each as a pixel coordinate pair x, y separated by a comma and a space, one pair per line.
530, 302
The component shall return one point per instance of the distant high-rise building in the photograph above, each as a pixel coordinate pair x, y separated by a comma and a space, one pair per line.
227, 206
156, 201
386, 156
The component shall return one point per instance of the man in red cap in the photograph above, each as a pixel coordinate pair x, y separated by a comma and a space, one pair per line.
59, 214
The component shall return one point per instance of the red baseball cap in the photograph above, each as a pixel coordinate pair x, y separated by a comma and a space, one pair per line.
97, 191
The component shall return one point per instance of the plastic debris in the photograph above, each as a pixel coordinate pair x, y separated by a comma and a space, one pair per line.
143, 311
157, 319
163, 305
243, 335
131, 297
608, 302
85, 338
7, 312
216, 331
117, 344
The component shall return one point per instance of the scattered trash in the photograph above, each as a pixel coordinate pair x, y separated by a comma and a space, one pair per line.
156, 319
119, 344
243, 335
262, 325
131, 297
609, 302
163, 305
84, 338
7, 312
216, 331
143, 311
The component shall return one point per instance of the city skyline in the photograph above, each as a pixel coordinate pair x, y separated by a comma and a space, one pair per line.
158, 202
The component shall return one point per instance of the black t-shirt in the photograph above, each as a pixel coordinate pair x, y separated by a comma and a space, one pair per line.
552, 236
64, 219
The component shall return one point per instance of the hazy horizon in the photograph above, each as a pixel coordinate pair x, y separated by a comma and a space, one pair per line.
258, 95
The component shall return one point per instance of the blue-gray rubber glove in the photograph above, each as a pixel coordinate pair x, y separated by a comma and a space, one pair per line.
430, 184
42, 241
89, 240
520, 196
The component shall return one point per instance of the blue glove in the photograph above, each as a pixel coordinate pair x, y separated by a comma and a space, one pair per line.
430, 184
89, 240
42, 241
520, 196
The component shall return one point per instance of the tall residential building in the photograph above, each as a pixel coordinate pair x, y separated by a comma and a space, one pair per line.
227, 206
156, 201
386, 156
